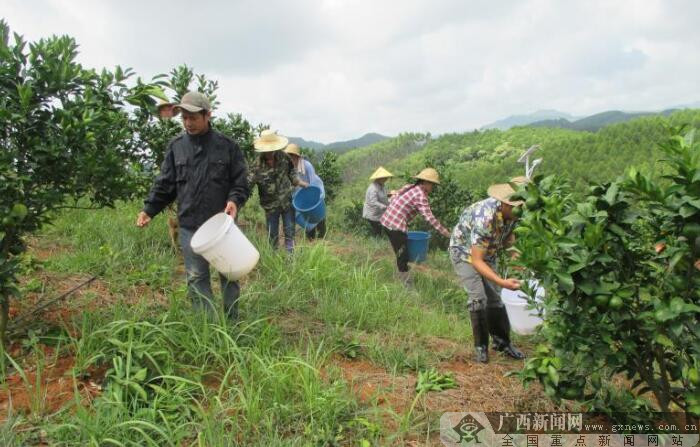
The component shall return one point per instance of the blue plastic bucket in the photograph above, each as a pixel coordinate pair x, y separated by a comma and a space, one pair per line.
310, 205
303, 223
418, 245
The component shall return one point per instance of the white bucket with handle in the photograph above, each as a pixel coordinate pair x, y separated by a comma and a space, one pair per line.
523, 321
223, 244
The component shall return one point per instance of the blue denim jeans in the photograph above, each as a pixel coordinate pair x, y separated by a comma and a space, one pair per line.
199, 283
273, 227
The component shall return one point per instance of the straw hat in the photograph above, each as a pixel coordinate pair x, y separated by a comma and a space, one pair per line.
429, 175
520, 180
293, 149
502, 193
269, 141
162, 103
380, 173
165, 109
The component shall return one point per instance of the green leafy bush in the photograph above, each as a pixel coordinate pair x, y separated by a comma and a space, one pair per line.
623, 286
353, 220
329, 170
68, 138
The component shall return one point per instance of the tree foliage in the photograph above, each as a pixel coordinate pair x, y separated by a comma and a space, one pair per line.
621, 268
67, 138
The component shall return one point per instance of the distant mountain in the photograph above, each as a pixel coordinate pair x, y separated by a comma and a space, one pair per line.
340, 146
364, 140
315, 145
596, 122
692, 105
524, 120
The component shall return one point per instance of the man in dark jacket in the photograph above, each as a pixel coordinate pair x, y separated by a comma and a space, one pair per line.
207, 174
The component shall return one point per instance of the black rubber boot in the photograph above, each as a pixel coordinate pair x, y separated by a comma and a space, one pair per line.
480, 331
499, 327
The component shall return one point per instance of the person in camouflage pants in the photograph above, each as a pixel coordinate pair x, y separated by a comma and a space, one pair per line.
275, 177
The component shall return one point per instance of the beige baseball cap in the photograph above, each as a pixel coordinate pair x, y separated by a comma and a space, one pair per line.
193, 102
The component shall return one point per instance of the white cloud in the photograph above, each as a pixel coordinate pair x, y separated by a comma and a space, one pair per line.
330, 69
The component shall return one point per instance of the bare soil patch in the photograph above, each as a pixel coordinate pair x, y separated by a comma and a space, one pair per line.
47, 387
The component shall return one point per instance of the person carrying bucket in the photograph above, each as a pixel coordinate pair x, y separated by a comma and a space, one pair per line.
206, 173
307, 173
376, 200
275, 177
409, 201
484, 229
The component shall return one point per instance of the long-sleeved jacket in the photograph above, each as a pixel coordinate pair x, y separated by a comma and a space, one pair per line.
202, 172
376, 202
275, 184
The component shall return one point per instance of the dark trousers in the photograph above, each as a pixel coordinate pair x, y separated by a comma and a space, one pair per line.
376, 227
319, 231
273, 227
399, 242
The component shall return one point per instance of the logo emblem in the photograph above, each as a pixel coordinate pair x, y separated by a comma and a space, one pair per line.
468, 428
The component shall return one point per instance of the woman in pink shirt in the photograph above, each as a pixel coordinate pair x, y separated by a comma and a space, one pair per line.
408, 202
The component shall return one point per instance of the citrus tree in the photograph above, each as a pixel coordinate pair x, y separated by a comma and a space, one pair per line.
67, 140
620, 266
329, 171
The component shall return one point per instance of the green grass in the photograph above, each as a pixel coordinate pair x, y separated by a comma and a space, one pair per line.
175, 377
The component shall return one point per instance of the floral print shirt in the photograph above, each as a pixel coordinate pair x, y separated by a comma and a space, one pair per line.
482, 225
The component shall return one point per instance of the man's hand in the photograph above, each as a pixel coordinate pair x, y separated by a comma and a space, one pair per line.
142, 219
447, 234
511, 284
231, 209
697, 264
303, 184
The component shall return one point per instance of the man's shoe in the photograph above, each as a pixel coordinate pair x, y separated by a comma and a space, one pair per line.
506, 347
482, 354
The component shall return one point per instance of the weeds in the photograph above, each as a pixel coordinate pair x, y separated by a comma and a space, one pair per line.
170, 376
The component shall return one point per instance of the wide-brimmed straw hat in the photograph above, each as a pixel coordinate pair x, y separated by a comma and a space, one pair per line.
162, 103
429, 175
293, 149
269, 141
502, 193
520, 180
165, 109
380, 173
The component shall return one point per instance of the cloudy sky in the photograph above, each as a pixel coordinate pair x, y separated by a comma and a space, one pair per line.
331, 70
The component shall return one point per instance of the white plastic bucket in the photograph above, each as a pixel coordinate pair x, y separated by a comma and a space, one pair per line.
223, 244
523, 321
